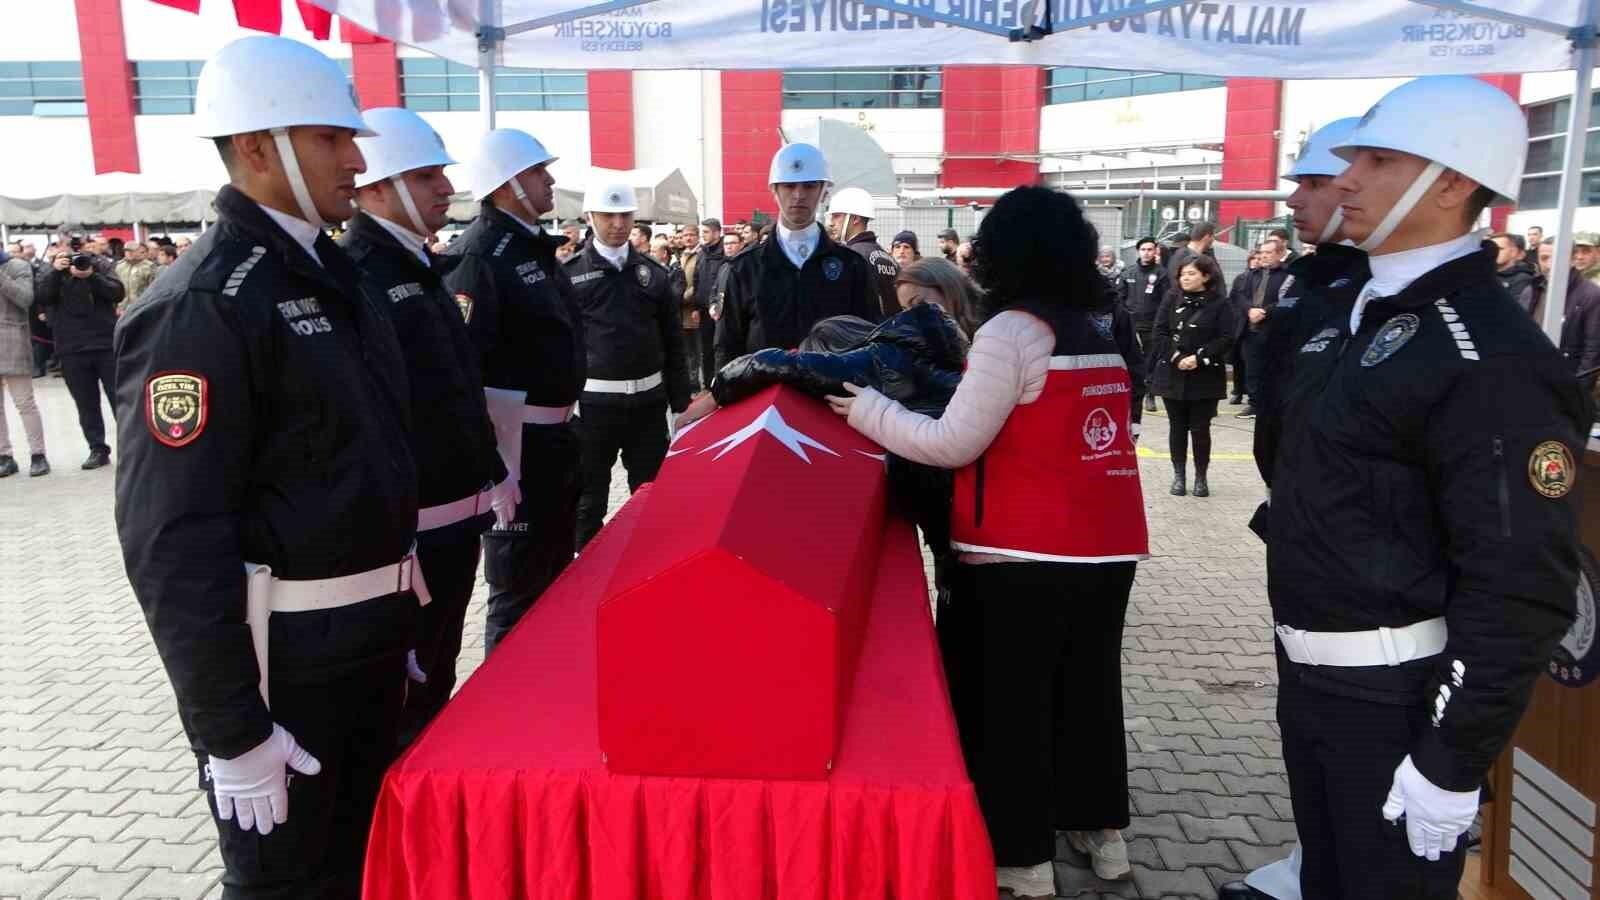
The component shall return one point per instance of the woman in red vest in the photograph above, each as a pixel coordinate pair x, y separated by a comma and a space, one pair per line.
1048, 520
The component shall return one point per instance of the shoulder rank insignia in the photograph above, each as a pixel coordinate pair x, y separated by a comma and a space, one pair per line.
175, 407
1390, 338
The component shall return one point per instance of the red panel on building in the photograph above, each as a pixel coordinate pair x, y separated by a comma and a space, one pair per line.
1250, 145
991, 125
107, 86
375, 70
752, 111
611, 118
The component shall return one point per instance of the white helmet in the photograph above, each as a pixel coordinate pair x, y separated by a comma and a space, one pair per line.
797, 162
264, 82
614, 197
1457, 121
267, 83
403, 142
1316, 155
502, 154
852, 201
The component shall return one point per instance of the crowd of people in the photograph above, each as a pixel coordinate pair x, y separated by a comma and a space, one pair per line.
319, 440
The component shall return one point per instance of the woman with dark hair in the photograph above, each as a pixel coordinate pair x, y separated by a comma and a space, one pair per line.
1193, 333
1048, 520
936, 280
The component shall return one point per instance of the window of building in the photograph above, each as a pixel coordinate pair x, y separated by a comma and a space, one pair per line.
1547, 142
41, 89
165, 87
438, 85
1072, 84
901, 87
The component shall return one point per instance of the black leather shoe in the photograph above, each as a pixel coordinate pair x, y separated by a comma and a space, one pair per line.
1238, 890
1178, 486
1235, 400
1200, 489
40, 466
1149, 404
97, 458
8, 467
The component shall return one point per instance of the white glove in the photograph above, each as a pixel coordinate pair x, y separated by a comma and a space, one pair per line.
255, 784
503, 499
1435, 817
505, 413
413, 670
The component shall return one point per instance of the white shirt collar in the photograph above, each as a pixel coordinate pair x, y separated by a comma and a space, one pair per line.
532, 229
408, 239
304, 233
617, 256
791, 241
1394, 272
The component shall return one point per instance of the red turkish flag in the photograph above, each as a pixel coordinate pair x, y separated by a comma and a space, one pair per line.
259, 15
188, 6
318, 21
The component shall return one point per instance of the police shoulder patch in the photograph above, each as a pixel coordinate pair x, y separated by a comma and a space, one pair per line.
1394, 334
642, 272
176, 406
832, 268
1551, 470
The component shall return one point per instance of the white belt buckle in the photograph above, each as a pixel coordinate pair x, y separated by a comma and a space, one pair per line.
402, 578
1391, 653
1294, 640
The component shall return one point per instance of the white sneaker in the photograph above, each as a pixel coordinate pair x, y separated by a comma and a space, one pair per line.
1028, 881
1107, 852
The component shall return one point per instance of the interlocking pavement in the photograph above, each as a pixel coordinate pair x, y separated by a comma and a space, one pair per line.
98, 794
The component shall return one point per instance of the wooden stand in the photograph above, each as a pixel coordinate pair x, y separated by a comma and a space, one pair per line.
1540, 836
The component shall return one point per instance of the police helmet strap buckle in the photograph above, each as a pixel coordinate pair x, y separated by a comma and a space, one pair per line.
404, 192
1403, 206
297, 181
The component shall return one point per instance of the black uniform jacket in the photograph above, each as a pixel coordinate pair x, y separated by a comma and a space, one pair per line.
1332, 275
1424, 471
261, 417
1201, 325
770, 303
1141, 289
82, 311
519, 308
884, 270
452, 438
631, 325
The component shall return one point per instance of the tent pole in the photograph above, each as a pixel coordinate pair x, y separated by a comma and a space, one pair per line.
1555, 303
490, 35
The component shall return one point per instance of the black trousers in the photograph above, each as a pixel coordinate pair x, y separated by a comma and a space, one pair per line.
1241, 368
1033, 658
449, 560
337, 683
708, 350
637, 432
41, 358
1341, 753
1190, 419
520, 560
1142, 334
1253, 350
87, 375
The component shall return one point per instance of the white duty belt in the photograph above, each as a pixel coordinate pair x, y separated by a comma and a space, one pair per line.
1378, 647
265, 595
454, 511
546, 415
626, 386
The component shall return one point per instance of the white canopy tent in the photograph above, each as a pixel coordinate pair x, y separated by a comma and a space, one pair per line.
1304, 39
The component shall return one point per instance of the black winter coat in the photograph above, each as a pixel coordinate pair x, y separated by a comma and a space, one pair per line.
1516, 278
1192, 324
82, 311
1141, 289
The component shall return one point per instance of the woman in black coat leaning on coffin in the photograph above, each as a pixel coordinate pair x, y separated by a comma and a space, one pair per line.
1193, 332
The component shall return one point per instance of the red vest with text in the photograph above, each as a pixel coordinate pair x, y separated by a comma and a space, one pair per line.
1060, 483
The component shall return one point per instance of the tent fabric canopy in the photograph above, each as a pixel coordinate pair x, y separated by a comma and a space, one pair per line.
106, 209
855, 159
664, 196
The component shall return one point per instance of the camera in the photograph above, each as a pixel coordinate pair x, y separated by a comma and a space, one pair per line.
83, 262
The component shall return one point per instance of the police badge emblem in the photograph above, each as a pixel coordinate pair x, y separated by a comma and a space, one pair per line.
175, 407
832, 269
464, 303
1551, 470
1390, 338
642, 272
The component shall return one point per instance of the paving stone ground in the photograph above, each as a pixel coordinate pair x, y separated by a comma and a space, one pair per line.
97, 786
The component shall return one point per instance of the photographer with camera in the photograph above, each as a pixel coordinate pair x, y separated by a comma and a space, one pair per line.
80, 296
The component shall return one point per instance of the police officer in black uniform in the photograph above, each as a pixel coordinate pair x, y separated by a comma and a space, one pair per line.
850, 215
404, 196
776, 291
635, 355
528, 331
1141, 288
266, 498
1422, 552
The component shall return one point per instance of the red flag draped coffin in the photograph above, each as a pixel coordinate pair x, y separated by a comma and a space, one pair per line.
729, 632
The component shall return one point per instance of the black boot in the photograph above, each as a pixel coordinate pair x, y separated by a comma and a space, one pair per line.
1179, 488
1149, 403
97, 458
41, 466
8, 466
1238, 890
1200, 488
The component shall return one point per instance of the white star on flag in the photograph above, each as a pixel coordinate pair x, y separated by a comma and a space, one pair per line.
772, 422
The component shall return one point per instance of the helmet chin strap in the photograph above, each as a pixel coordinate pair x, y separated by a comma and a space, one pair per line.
522, 197
297, 181
410, 205
1402, 207
1332, 228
